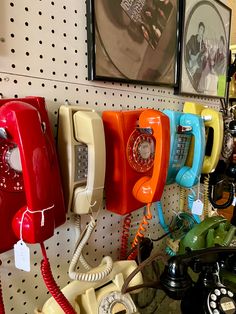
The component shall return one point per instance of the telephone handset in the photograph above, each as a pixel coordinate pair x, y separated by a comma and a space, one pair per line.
211, 231
29, 173
150, 188
137, 150
214, 126
183, 127
102, 297
81, 149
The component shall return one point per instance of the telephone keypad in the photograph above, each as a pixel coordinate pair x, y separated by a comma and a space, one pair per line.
81, 163
181, 149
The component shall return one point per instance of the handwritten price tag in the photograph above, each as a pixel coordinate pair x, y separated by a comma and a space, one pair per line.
22, 256
197, 207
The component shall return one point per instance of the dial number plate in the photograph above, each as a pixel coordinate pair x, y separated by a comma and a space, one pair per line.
117, 303
11, 180
140, 151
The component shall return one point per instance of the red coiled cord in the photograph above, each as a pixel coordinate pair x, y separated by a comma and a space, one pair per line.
52, 286
140, 233
125, 236
2, 310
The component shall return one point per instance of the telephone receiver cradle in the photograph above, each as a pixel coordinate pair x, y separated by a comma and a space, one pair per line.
102, 296
31, 171
81, 150
183, 127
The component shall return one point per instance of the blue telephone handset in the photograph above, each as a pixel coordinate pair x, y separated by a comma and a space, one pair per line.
183, 127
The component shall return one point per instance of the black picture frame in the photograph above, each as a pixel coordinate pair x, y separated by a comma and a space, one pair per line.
205, 50
118, 49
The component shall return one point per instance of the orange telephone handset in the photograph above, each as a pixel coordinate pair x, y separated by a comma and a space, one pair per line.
148, 189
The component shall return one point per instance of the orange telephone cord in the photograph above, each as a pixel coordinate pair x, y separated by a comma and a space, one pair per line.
140, 233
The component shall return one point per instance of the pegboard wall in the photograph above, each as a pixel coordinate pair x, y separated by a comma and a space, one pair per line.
43, 52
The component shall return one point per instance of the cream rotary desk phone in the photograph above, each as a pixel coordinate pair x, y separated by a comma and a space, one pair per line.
103, 297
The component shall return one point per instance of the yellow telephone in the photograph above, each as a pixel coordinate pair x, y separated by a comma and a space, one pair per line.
214, 140
81, 150
103, 297
214, 120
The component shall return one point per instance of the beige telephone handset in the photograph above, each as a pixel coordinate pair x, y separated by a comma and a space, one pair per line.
81, 149
103, 297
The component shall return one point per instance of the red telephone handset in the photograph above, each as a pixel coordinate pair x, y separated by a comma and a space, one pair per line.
25, 126
148, 189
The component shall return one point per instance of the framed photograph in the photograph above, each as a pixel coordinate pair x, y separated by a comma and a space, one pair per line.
133, 41
205, 48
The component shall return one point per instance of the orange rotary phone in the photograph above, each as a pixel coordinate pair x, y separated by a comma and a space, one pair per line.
137, 153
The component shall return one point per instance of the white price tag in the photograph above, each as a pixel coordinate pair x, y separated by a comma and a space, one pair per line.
197, 207
22, 256
234, 201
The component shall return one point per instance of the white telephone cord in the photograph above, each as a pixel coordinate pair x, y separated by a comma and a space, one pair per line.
88, 276
82, 260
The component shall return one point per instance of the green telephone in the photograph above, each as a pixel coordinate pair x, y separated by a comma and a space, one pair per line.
215, 230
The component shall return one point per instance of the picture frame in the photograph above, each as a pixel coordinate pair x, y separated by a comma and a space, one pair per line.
133, 41
204, 53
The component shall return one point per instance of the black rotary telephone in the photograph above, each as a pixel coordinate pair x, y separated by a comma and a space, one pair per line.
206, 296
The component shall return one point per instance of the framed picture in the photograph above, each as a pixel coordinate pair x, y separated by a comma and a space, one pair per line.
204, 48
133, 40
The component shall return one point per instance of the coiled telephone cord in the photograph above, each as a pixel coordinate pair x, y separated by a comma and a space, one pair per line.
182, 196
141, 230
206, 203
82, 260
2, 310
161, 217
88, 276
125, 236
169, 251
52, 286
